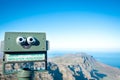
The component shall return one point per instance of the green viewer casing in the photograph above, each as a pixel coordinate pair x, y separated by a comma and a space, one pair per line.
10, 44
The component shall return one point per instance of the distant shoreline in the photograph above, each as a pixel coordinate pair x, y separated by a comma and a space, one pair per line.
112, 59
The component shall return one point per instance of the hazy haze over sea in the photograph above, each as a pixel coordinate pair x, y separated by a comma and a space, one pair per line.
110, 58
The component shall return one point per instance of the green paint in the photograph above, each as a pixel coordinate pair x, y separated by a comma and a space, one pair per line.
10, 44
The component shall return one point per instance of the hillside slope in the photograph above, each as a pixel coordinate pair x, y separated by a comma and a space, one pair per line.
81, 66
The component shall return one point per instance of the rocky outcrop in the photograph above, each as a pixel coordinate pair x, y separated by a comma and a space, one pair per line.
81, 66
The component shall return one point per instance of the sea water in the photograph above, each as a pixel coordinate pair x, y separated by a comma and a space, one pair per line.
109, 58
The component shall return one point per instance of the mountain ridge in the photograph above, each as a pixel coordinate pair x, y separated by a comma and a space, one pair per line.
84, 67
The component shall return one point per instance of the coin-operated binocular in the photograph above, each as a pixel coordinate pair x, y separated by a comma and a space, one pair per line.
24, 50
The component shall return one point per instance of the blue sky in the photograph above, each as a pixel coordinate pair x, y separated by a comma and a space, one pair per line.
69, 24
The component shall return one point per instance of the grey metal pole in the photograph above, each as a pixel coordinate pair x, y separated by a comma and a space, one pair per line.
24, 75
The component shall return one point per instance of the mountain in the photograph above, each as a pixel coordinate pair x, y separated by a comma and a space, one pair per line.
79, 66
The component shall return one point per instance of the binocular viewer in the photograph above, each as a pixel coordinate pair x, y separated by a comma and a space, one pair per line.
25, 47
27, 42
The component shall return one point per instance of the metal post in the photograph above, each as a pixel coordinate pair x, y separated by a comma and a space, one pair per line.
24, 75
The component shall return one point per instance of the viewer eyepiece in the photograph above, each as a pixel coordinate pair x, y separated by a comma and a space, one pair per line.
31, 40
20, 40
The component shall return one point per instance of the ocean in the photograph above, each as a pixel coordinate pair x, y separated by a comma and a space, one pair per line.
112, 59
109, 58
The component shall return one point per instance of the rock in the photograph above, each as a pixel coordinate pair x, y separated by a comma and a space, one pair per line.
81, 66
